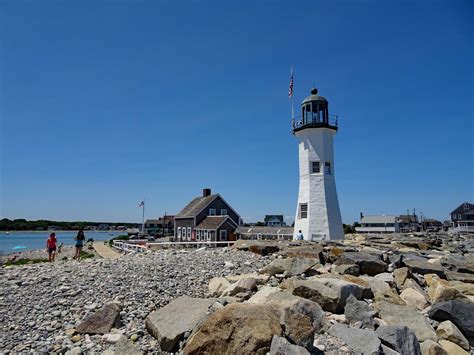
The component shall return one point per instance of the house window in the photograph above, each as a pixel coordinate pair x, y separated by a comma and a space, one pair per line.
303, 210
315, 167
189, 233
207, 235
179, 232
466, 207
223, 234
212, 211
224, 212
327, 168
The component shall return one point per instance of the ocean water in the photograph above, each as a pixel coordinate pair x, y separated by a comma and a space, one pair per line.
24, 241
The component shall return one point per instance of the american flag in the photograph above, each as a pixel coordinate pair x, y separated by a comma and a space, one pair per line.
141, 204
290, 90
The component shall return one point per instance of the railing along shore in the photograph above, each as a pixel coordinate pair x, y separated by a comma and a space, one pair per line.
134, 247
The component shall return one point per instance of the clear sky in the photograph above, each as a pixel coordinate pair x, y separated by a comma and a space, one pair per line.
106, 103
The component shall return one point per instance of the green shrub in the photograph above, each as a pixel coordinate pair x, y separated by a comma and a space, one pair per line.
120, 237
25, 261
86, 255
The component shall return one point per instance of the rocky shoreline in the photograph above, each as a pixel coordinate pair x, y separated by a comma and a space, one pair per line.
406, 294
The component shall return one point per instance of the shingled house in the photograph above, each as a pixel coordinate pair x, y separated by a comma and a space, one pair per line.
462, 218
206, 218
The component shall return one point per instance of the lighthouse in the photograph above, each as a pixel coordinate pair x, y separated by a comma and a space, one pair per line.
317, 213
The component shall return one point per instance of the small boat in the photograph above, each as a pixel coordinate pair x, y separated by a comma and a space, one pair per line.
7, 233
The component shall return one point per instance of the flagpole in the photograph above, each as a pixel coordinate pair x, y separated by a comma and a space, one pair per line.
143, 218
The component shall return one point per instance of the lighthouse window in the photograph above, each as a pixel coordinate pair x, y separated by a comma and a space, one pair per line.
327, 168
303, 210
315, 167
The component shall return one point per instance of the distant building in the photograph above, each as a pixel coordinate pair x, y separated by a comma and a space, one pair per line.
264, 233
462, 219
160, 227
431, 225
274, 220
408, 223
378, 224
206, 218
103, 227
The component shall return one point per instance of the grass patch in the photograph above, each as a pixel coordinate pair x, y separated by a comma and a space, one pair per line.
86, 255
25, 261
120, 237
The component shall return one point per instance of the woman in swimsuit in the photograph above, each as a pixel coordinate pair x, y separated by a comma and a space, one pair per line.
80, 237
51, 247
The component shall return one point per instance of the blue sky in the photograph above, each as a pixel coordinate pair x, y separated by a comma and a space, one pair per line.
106, 103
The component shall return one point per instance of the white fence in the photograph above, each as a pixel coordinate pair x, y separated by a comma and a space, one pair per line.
129, 247
461, 229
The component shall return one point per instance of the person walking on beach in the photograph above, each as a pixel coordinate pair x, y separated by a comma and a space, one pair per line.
80, 237
51, 247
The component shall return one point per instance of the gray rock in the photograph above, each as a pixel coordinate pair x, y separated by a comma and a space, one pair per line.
317, 292
101, 321
360, 340
343, 288
125, 347
458, 312
348, 269
394, 314
368, 263
424, 267
359, 311
399, 338
447, 330
292, 266
281, 346
430, 347
169, 324
241, 286
74, 351
301, 319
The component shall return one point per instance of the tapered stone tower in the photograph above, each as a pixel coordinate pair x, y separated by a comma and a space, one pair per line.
317, 213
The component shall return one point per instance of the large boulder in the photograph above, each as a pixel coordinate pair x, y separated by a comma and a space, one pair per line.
315, 291
257, 247
281, 346
430, 347
347, 269
290, 266
243, 285
400, 275
447, 330
359, 311
452, 348
399, 338
300, 320
313, 251
259, 279
460, 276
126, 347
368, 263
394, 314
382, 291
343, 288
359, 340
237, 329
217, 286
262, 295
102, 321
441, 290
424, 267
169, 324
458, 312
414, 299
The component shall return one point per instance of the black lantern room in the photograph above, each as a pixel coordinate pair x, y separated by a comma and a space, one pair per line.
314, 114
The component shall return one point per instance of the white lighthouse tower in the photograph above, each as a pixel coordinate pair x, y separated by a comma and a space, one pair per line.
317, 213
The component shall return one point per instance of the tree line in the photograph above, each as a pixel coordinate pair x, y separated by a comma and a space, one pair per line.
23, 224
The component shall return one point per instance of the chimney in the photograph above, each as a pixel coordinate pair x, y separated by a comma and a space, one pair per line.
361, 215
206, 192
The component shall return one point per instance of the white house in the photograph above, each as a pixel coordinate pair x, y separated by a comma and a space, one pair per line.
379, 224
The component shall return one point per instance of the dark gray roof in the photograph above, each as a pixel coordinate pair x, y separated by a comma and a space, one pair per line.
195, 206
265, 230
313, 98
211, 222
